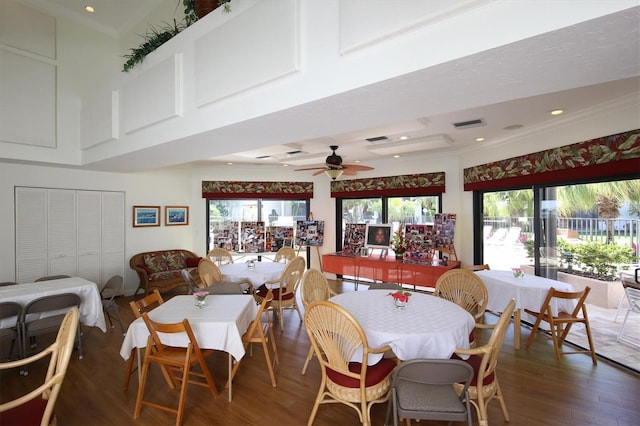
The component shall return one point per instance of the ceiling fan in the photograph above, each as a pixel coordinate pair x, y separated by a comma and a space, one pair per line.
334, 167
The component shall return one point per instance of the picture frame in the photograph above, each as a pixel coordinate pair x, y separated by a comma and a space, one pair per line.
176, 215
146, 216
378, 235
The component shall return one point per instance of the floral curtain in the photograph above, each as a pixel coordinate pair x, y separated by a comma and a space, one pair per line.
403, 185
267, 190
613, 155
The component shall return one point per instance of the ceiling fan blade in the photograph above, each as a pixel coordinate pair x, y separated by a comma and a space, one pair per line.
357, 167
311, 168
319, 172
349, 172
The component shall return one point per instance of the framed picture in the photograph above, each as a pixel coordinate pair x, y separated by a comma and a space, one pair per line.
378, 236
144, 216
176, 215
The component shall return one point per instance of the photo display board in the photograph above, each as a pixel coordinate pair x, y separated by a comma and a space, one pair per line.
225, 235
252, 237
424, 239
445, 224
309, 232
354, 237
277, 237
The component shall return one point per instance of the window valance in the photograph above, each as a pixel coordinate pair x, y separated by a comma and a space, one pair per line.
403, 185
607, 156
267, 190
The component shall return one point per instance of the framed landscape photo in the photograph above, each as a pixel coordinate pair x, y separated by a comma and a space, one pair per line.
145, 216
176, 215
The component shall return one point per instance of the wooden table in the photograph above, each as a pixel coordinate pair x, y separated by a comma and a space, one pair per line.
90, 308
529, 292
387, 269
428, 327
219, 325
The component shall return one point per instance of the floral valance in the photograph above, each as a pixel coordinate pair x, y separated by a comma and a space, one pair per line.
281, 190
403, 185
613, 155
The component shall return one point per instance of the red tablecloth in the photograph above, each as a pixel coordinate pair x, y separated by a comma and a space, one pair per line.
387, 270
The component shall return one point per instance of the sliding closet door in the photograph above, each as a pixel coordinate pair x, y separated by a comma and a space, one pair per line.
31, 233
88, 208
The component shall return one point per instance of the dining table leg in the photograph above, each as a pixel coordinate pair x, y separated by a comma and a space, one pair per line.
230, 365
516, 328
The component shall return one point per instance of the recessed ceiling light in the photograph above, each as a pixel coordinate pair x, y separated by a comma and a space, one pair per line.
479, 139
357, 161
229, 163
89, 9
285, 165
404, 138
396, 156
556, 112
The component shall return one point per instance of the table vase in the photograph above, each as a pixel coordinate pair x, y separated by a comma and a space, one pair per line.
200, 303
399, 304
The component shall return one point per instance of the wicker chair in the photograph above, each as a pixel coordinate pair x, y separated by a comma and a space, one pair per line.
284, 295
484, 359
211, 275
483, 267
313, 287
336, 337
37, 406
465, 289
220, 256
285, 253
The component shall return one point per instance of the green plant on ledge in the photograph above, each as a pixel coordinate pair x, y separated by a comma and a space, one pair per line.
156, 37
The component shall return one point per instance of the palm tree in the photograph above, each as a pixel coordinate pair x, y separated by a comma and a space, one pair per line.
605, 198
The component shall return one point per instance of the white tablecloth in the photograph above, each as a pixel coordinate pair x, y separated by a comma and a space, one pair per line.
529, 292
428, 327
262, 272
219, 325
90, 306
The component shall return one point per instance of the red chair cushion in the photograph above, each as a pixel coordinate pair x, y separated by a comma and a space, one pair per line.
474, 361
262, 292
27, 414
375, 373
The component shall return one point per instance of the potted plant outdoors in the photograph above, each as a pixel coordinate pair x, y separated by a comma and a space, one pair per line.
156, 37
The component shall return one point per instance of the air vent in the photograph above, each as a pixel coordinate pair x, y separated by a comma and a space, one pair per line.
468, 124
263, 157
378, 139
294, 152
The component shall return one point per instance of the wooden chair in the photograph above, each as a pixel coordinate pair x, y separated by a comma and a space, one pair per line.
261, 332
285, 253
37, 406
220, 256
111, 289
313, 287
336, 336
484, 360
465, 289
484, 267
145, 304
178, 361
561, 323
284, 296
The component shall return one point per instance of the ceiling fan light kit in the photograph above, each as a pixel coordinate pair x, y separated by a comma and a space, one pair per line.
333, 173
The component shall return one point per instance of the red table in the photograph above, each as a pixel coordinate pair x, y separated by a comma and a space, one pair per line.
387, 269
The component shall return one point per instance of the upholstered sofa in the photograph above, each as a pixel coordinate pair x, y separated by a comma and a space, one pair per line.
161, 269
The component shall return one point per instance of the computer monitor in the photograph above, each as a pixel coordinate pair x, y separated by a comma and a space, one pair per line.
378, 236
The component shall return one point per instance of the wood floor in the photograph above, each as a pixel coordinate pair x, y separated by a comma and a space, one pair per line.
537, 392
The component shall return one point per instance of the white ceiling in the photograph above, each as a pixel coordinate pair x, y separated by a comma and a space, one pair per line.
577, 69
